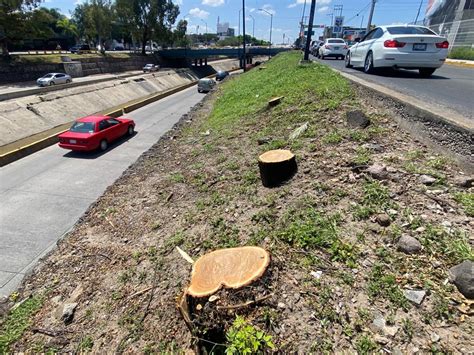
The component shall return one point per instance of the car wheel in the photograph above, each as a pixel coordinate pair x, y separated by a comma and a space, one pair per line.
323, 57
68, 81
369, 64
130, 130
348, 60
199, 90
103, 145
426, 72
51, 83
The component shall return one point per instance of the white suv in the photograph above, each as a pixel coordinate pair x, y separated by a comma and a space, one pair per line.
333, 47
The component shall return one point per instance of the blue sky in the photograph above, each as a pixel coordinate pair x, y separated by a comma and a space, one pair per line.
287, 13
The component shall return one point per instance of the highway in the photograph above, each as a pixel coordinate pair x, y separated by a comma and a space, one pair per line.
450, 87
44, 194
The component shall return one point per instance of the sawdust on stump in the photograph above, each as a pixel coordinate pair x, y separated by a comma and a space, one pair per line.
276, 167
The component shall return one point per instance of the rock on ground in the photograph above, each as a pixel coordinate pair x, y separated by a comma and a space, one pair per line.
427, 180
415, 296
68, 312
378, 171
464, 181
357, 119
408, 244
462, 275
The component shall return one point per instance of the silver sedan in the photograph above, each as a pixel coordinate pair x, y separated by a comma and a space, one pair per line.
53, 79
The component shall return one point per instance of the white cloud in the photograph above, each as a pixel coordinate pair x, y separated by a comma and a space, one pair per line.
323, 9
308, 2
178, 2
269, 8
78, 2
213, 3
197, 12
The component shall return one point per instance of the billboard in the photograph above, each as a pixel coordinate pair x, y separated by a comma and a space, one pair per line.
441, 11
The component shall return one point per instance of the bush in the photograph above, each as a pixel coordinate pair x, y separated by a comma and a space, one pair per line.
462, 53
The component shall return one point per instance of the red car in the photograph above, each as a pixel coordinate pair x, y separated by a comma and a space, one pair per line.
95, 132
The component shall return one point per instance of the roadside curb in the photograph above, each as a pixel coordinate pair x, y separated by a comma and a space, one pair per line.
460, 63
50, 137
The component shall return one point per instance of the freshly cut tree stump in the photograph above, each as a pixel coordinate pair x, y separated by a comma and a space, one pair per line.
275, 101
231, 268
276, 167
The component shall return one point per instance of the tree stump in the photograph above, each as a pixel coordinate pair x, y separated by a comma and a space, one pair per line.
276, 167
274, 101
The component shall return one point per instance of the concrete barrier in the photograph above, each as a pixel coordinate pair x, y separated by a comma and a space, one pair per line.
16, 151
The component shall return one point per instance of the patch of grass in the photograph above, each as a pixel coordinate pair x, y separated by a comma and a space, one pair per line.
175, 240
452, 245
438, 163
17, 321
247, 95
365, 345
407, 327
332, 138
56, 58
466, 199
375, 198
244, 338
276, 144
177, 177
85, 344
362, 157
382, 283
466, 53
359, 135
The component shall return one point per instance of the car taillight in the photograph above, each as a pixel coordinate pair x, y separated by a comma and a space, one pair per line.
444, 45
327, 47
392, 43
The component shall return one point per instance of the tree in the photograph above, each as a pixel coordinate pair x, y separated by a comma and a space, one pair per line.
94, 20
67, 27
179, 35
13, 16
148, 19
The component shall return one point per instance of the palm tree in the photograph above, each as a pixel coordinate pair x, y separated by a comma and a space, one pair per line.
67, 27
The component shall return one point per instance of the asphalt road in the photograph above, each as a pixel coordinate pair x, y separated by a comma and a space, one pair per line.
450, 87
44, 194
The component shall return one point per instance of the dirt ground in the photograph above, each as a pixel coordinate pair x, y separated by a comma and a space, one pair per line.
336, 281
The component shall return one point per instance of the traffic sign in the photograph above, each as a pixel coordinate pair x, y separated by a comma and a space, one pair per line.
306, 33
337, 29
338, 21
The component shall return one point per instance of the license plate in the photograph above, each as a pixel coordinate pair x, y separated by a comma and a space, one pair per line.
72, 141
419, 47
336, 48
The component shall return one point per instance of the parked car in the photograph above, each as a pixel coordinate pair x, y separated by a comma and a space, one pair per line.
407, 47
221, 75
79, 49
333, 47
206, 84
95, 132
150, 67
315, 48
119, 47
53, 79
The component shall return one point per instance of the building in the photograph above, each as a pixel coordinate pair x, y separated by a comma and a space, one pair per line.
348, 33
453, 19
224, 31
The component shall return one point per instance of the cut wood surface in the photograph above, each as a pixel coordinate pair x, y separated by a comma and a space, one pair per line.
274, 101
231, 268
276, 166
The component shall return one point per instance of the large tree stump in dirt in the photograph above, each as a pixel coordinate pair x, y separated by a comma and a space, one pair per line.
223, 282
276, 167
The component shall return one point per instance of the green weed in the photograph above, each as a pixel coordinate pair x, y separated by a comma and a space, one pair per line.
177, 177
244, 338
332, 138
466, 199
365, 345
383, 284
17, 321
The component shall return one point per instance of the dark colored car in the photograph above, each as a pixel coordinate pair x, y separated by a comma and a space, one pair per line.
95, 132
221, 75
82, 48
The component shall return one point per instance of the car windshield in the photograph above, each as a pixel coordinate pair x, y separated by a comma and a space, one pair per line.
48, 76
335, 41
405, 30
149, 65
82, 127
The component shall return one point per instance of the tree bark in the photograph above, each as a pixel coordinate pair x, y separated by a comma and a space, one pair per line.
144, 39
276, 167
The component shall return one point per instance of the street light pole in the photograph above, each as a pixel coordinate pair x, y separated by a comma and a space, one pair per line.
243, 30
253, 26
369, 24
271, 24
310, 30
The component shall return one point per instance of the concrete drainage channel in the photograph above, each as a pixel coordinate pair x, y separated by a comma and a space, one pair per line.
47, 138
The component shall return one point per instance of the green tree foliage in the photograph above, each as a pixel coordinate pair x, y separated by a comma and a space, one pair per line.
148, 19
13, 20
179, 34
94, 20
237, 41
67, 27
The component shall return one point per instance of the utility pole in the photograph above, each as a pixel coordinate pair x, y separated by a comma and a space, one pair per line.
301, 35
310, 29
253, 25
370, 16
418, 13
243, 30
